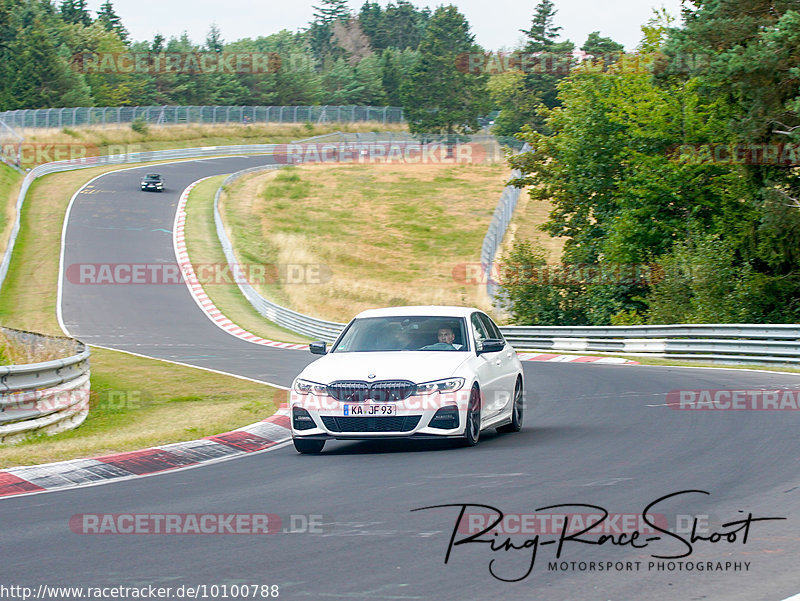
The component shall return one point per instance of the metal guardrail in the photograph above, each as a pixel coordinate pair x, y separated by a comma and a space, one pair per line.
168, 115
778, 343
497, 230
49, 396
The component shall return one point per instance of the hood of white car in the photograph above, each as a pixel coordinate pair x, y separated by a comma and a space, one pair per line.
416, 366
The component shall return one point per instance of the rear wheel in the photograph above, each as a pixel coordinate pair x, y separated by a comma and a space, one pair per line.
516, 412
472, 431
308, 446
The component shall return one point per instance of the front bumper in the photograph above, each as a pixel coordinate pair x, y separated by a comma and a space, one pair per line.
429, 416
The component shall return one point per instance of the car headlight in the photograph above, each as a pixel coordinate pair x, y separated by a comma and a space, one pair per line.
307, 387
448, 385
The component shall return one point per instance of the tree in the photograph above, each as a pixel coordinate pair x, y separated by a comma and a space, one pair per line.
397, 66
349, 36
74, 11
111, 21
600, 47
620, 194
438, 97
543, 32
549, 61
42, 77
320, 31
214, 41
370, 17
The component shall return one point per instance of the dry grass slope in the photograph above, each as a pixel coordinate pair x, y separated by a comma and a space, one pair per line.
379, 234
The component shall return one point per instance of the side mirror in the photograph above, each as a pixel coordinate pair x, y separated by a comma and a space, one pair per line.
492, 345
317, 348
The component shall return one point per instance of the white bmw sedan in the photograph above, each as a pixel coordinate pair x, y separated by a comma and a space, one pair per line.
409, 372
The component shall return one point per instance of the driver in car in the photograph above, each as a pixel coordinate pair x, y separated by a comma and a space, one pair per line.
445, 338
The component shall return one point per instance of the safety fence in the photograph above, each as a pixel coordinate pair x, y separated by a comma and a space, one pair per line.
175, 115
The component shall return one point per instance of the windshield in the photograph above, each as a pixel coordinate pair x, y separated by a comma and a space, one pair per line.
400, 333
152, 176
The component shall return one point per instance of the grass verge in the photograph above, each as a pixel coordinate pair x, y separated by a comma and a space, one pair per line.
204, 248
138, 403
163, 402
96, 140
351, 237
10, 181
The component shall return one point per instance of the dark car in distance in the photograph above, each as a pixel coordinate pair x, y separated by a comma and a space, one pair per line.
153, 181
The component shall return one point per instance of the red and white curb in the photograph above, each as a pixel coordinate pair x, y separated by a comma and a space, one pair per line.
121, 466
575, 359
196, 289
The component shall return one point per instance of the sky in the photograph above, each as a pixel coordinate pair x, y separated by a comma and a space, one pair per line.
495, 23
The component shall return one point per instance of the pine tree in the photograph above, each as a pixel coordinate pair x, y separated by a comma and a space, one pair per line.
320, 32
74, 11
520, 97
437, 96
330, 11
214, 41
543, 33
111, 20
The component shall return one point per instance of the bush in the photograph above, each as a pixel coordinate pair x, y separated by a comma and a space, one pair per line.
139, 125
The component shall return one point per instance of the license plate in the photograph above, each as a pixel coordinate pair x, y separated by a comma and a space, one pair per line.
369, 410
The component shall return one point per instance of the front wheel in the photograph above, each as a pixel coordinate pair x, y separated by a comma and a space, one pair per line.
308, 446
472, 430
516, 412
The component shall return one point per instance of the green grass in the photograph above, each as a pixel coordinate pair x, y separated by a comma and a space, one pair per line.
114, 140
204, 248
9, 180
137, 403
164, 403
388, 234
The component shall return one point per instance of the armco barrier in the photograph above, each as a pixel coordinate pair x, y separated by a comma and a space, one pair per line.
778, 343
497, 228
50, 396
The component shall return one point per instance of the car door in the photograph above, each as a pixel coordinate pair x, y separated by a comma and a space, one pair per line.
506, 364
487, 369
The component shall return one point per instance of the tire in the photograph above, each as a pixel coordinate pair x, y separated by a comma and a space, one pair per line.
308, 447
516, 412
472, 429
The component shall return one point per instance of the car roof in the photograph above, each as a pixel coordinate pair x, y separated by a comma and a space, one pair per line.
422, 310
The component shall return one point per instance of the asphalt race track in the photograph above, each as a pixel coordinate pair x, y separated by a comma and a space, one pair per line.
594, 434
